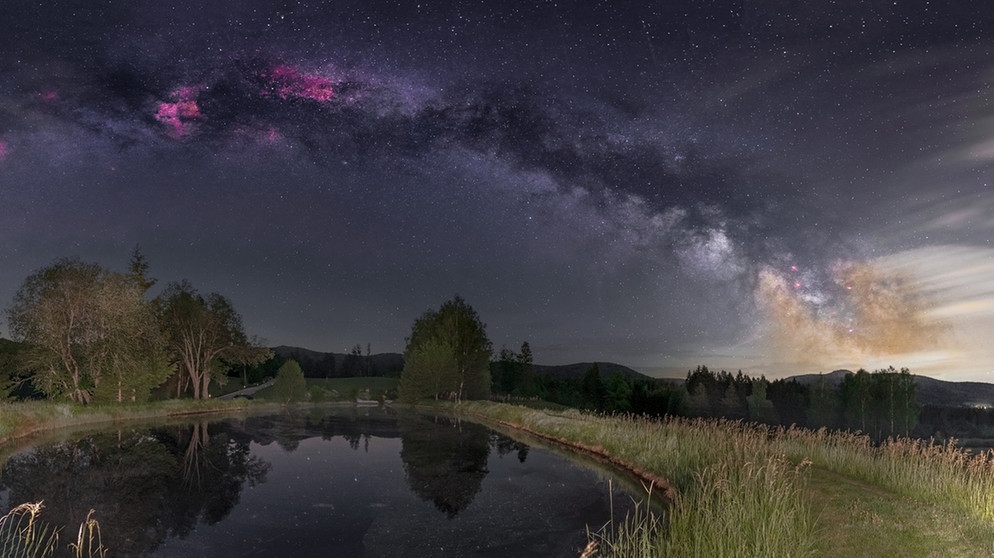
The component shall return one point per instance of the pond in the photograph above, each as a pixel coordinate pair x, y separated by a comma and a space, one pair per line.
346, 482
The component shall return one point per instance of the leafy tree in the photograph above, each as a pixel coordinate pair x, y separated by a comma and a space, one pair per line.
138, 271
790, 398
290, 383
893, 403
617, 393
327, 365
133, 357
206, 335
430, 369
89, 332
655, 397
513, 372
457, 325
761, 409
695, 402
825, 405
592, 388
506, 371
732, 404
526, 381
857, 399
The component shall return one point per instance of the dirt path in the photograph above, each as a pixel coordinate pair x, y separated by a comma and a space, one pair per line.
249, 391
858, 519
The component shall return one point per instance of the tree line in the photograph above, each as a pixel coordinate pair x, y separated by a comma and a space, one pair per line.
880, 403
89, 334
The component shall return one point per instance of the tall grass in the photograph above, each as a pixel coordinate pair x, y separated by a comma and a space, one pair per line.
943, 475
737, 489
24, 534
732, 489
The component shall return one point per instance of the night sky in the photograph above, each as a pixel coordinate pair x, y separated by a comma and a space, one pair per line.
772, 186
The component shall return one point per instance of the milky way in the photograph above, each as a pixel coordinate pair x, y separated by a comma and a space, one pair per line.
770, 188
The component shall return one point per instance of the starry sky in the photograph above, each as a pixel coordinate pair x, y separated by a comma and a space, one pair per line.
772, 186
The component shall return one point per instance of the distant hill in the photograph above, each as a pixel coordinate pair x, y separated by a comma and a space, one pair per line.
576, 371
939, 393
315, 363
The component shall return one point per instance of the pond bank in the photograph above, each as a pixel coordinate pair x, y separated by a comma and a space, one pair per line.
22, 420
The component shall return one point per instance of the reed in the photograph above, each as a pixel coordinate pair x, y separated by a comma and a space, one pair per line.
738, 489
734, 491
939, 474
24, 534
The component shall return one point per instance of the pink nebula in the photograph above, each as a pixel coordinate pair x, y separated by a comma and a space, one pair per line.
180, 114
286, 82
3, 150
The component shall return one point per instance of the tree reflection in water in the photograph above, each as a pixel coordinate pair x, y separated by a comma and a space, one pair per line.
447, 465
146, 485
152, 485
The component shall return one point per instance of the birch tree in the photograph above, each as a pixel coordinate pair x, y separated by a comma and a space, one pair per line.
205, 335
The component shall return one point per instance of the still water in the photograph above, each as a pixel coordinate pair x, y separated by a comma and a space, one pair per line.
349, 482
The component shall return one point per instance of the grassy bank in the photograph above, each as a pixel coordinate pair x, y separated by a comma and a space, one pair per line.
25, 418
743, 490
321, 390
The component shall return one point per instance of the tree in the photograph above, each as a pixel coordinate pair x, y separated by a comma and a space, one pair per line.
206, 335
856, 399
89, 332
617, 393
132, 356
824, 404
353, 365
290, 383
592, 388
138, 271
430, 369
526, 379
761, 409
457, 325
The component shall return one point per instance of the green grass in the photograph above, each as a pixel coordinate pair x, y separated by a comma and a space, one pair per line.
343, 389
745, 490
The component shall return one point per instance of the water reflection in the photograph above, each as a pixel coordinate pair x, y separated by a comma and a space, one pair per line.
145, 484
445, 463
362, 483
